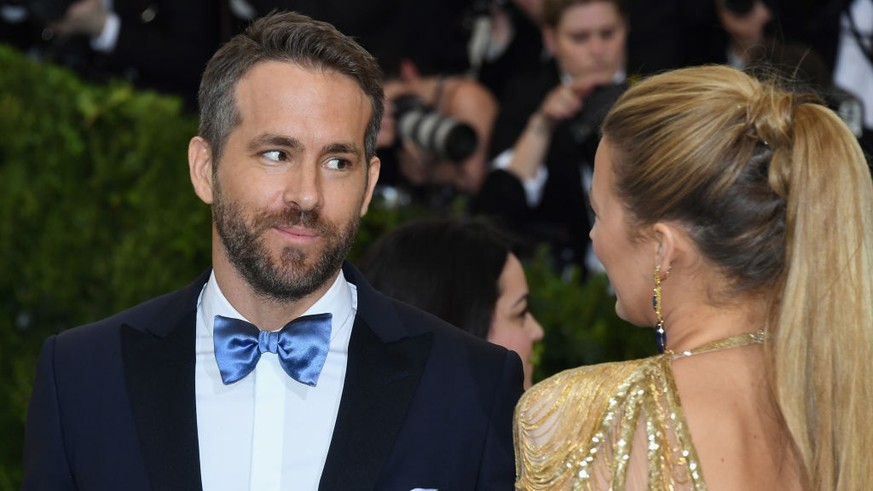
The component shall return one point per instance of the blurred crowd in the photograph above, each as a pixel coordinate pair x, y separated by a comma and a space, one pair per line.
495, 103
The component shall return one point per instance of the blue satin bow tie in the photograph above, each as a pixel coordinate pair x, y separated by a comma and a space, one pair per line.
302, 347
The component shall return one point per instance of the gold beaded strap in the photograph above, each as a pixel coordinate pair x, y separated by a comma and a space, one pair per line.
756, 337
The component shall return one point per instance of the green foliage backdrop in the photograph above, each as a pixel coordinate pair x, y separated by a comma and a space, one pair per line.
97, 214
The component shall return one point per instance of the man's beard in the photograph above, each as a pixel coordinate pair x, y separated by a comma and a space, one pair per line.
289, 278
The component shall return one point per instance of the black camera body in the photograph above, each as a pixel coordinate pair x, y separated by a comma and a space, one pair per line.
437, 134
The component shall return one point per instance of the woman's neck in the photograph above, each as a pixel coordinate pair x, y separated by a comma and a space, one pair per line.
693, 324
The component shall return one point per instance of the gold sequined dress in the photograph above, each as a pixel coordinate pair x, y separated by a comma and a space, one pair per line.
610, 426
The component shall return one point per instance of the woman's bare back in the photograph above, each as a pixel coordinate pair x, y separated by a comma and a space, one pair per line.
734, 424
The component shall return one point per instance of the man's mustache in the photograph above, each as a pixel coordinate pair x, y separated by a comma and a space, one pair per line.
293, 217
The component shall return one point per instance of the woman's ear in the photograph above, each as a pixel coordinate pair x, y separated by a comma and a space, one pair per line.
200, 167
668, 246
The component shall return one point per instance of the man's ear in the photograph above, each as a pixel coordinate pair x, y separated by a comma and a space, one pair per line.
200, 167
372, 178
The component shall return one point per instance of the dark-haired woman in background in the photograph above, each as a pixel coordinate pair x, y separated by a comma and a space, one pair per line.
464, 272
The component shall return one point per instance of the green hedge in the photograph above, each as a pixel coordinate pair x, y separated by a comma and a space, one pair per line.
97, 214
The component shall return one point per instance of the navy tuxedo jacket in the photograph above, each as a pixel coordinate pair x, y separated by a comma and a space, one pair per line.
424, 404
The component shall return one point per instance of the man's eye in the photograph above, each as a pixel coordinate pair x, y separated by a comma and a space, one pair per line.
338, 164
274, 155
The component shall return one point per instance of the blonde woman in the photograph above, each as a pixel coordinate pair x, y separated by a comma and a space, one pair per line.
736, 218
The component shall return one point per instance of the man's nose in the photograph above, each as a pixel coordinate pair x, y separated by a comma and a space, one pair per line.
303, 187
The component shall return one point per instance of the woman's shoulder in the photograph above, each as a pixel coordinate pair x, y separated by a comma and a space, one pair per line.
561, 422
585, 381
581, 392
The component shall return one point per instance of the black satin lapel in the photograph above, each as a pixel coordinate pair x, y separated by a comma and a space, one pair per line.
160, 383
381, 380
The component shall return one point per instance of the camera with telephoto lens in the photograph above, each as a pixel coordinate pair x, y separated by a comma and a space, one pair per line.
437, 134
47, 10
739, 7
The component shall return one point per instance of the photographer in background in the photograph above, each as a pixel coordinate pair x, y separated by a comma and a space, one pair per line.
431, 166
427, 165
547, 131
158, 45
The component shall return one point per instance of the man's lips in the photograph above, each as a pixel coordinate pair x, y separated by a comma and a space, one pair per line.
298, 232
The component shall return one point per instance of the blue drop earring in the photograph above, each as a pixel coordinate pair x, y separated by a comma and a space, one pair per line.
660, 334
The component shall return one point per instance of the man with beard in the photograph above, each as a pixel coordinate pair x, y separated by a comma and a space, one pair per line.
280, 368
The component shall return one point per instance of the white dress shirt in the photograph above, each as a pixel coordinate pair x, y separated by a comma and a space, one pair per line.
268, 431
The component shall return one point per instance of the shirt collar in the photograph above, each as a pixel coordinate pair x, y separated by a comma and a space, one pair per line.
338, 300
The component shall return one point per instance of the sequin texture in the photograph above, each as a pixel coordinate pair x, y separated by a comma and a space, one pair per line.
610, 426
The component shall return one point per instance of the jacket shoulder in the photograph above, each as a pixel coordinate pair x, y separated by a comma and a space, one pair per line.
158, 314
